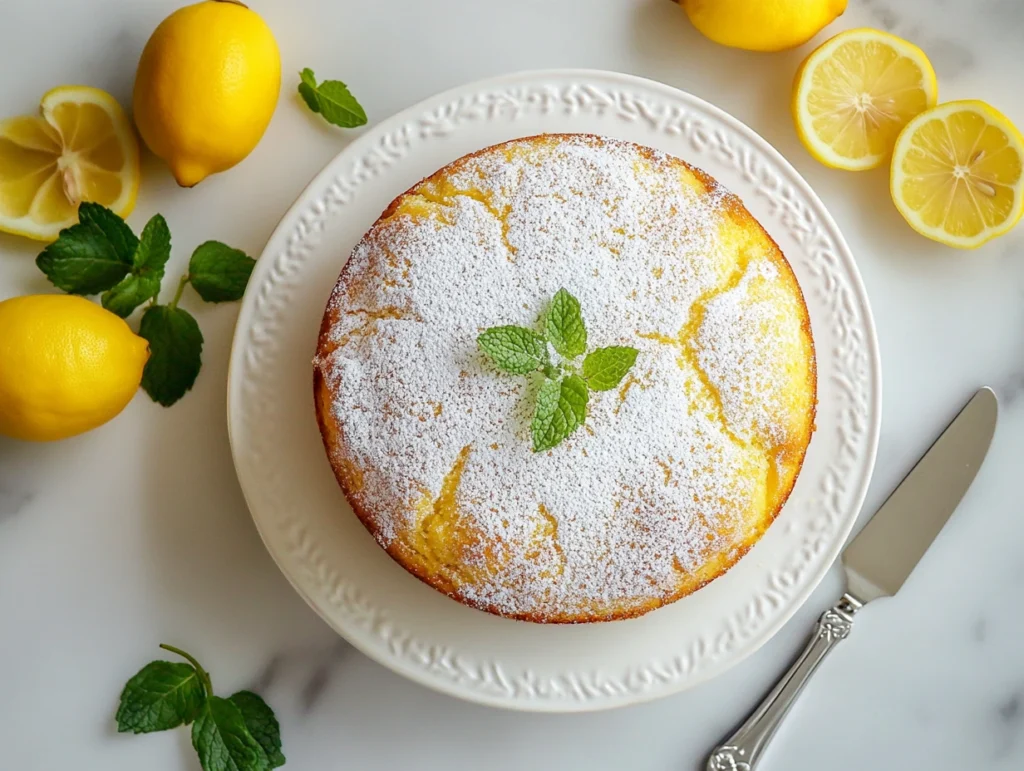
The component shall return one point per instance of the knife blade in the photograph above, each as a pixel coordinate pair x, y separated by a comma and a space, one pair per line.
877, 562
885, 552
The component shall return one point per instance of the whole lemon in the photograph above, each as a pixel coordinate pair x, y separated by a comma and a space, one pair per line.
66, 366
762, 25
206, 87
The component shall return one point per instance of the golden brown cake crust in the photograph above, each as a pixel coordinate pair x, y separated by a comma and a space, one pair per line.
447, 540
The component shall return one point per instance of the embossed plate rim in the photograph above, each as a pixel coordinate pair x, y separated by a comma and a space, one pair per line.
432, 639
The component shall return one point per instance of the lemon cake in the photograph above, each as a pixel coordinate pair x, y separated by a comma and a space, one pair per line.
676, 472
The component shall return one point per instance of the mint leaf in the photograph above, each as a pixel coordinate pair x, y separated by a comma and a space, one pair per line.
154, 247
604, 368
101, 253
307, 89
338, 106
176, 347
564, 325
129, 294
148, 260
218, 272
114, 229
332, 99
516, 350
222, 740
259, 719
162, 695
83, 261
561, 409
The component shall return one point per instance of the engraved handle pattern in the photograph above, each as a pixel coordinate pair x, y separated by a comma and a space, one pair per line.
742, 750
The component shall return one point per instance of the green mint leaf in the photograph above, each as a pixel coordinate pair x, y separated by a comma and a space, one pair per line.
130, 293
222, 740
564, 325
114, 229
175, 353
83, 261
148, 260
259, 719
338, 106
561, 409
162, 695
332, 99
307, 89
218, 272
516, 350
604, 368
154, 247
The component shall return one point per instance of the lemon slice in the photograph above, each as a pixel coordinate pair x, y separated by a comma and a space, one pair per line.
855, 92
958, 174
81, 149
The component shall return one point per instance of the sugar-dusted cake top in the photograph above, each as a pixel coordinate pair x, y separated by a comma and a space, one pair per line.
676, 472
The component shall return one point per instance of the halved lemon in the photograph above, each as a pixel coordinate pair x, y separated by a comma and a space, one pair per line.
855, 92
82, 148
958, 173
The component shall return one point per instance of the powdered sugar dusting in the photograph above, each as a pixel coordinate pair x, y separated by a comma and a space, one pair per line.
741, 358
671, 470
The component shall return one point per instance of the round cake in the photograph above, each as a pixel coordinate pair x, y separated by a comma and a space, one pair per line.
657, 473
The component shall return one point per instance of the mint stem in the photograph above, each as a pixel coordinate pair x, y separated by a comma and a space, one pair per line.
182, 283
204, 676
551, 372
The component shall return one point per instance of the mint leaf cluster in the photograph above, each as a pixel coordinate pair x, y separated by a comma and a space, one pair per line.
239, 733
563, 396
332, 100
101, 255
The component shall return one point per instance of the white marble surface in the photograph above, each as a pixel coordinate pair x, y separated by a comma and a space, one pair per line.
137, 533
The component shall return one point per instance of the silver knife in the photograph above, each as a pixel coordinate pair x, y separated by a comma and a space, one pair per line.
877, 562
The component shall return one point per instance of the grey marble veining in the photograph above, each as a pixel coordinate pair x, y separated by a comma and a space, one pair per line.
1006, 14
322, 674
12, 501
949, 56
137, 533
312, 670
1012, 724
1013, 389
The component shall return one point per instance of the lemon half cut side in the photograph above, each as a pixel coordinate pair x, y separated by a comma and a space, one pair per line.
80, 148
854, 94
958, 174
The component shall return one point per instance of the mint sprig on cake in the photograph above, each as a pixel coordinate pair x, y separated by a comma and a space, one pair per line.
563, 397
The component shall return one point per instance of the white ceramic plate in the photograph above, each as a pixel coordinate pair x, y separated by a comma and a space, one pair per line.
337, 567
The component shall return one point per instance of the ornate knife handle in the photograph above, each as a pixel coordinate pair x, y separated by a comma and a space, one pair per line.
742, 750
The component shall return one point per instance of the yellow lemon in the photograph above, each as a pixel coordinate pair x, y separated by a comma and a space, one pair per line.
81, 148
66, 366
762, 25
958, 173
206, 87
854, 94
